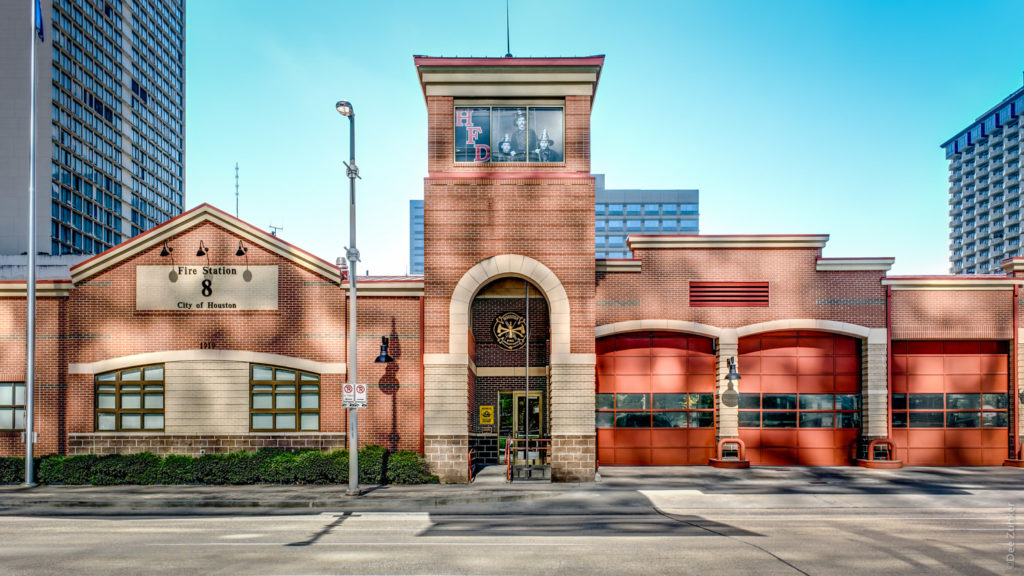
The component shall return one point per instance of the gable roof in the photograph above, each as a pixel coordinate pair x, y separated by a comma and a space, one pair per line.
189, 219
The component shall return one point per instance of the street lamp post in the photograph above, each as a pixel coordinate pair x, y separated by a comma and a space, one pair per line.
344, 108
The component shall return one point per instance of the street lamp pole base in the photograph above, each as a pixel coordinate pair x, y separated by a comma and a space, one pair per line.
353, 492
29, 484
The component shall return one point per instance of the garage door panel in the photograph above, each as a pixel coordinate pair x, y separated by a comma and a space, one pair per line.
633, 345
779, 438
993, 383
816, 346
815, 365
963, 457
779, 365
670, 456
823, 438
632, 456
700, 382
633, 365
780, 456
900, 364
993, 456
776, 384
926, 457
847, 347
991, 437
669, 437
605, 455
669, 384
924, 347
994, 365
960, 347
961, 365
751, 438
632, 437
606, 383
700, 364
847, 383
926, 438
816, 382
661, 365
700, 455
924, 365
926, 383
817, 456
633, 383
605, 437
847, 365
748, 365
605, 365
778, 345
968, 438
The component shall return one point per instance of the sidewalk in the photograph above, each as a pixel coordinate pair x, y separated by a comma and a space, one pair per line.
616, 488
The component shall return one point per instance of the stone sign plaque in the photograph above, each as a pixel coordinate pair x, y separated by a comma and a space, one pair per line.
200, 288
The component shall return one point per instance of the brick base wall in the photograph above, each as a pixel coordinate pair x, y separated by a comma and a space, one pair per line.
448, 456
572, 458
485, 449
196, 445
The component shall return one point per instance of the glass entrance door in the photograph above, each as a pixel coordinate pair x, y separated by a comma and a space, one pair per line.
519, 416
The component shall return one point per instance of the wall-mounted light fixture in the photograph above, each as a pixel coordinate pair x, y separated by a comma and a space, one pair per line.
203, 251
243, 250
166, 252
384, 357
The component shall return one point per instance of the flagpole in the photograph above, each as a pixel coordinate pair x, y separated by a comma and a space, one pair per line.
30, 312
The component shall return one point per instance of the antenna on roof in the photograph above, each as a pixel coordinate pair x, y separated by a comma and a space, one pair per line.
236, 189
508, 40
274, 229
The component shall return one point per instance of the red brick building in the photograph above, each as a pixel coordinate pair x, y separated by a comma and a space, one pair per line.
206, 334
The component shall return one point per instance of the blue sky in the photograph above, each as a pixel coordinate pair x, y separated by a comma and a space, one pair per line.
791, 117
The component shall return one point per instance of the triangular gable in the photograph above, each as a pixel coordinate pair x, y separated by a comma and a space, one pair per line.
198, 215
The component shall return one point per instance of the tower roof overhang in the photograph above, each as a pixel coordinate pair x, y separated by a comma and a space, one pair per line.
509, 77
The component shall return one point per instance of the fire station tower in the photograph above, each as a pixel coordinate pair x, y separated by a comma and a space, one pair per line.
509, 251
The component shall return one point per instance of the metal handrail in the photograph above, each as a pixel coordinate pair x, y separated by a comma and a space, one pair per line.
470, 466
510, 442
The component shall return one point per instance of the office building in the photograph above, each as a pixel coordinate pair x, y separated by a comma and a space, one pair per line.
415, 236
110, 122
622, 213
984, 189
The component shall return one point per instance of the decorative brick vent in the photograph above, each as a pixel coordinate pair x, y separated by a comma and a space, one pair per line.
751, 294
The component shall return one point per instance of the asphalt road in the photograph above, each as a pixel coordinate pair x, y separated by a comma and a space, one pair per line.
660, 532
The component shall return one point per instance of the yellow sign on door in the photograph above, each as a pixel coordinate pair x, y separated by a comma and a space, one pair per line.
487, 415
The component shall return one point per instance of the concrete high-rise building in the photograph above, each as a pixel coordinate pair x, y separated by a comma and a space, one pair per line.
622, 213
110, 122
415, 236
984, 189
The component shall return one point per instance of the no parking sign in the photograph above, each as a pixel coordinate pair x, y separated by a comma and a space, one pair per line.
353, 395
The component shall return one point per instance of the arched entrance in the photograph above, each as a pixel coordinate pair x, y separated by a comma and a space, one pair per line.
655, 399
800, 398
509, 329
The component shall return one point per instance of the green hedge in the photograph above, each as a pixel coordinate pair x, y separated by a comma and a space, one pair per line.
267, 465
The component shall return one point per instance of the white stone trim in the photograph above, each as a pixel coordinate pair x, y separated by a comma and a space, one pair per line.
855, 330
167, 356
952, 283
498, 371
752, 241
43, 289
602, 265
656, 324
502, 266
369, 288
854, 264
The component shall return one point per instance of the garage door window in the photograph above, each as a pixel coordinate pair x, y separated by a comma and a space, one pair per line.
950, 410
799, 410
655, 411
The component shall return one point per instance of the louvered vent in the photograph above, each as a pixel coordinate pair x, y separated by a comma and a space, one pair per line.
729, 294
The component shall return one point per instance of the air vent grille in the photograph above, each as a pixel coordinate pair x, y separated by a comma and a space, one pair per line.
729, 294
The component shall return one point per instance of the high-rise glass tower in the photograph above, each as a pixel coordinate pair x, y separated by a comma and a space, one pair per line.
984, 189
110, 121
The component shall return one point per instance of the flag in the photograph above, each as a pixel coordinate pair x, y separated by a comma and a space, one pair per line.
39, 22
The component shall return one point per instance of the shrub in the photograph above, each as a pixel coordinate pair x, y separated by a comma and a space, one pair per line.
177, 469
51, 469
12, 470
210, 469
372, 464
407, 467
78, 469
142, 468
314, 467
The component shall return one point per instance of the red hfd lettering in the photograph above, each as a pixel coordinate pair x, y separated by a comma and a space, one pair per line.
483, 153
472, 133
464, 117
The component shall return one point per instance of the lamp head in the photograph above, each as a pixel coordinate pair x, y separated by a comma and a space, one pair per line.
384, 358
733, 374
242, 249
166, 251
203, 250
344, 107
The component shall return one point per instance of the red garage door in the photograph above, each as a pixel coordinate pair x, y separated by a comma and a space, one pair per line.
950, 402
800, 398
655, 399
